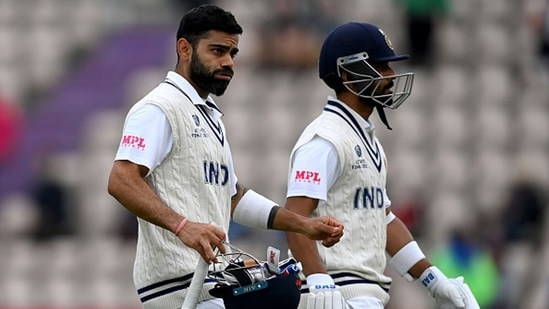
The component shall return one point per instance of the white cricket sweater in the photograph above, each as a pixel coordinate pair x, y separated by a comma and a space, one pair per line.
356, 198
194, 181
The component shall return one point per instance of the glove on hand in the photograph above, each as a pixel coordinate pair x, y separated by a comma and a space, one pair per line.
323, 293
448, 293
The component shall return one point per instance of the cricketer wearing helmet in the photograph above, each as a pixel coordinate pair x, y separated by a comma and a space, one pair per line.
338, 168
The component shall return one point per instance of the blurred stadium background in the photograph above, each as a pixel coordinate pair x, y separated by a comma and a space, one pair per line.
468, 156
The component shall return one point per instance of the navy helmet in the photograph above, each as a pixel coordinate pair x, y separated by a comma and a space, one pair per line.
244, 282
278, 292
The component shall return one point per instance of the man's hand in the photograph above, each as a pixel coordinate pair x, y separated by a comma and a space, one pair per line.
326, 228
448, 293
203, 238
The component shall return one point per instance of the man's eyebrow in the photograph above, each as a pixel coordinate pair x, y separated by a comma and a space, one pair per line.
223, 46
218, 45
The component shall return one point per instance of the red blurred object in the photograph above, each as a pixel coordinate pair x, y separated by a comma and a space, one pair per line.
10, 128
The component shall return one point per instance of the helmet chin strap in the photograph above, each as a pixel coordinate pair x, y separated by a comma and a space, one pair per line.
380, 112
382, 116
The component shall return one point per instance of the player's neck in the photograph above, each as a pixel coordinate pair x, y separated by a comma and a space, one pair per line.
354, 102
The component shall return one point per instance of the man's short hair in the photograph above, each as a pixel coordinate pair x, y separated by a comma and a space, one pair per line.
196, 23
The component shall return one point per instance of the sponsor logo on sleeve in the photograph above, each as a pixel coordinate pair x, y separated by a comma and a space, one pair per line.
307, 176
133, 141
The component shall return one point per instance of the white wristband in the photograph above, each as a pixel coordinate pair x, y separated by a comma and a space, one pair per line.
255, 210
405, 258
389, 217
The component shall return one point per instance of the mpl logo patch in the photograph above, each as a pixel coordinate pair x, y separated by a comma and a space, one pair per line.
307, 176
133, 141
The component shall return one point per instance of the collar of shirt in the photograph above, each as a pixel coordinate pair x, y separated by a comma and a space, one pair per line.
365, 124
186, 87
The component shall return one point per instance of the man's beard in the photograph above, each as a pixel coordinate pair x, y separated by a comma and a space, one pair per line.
205, 79
372, 91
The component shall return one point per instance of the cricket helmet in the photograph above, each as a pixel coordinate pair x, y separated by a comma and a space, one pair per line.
244, 282
351, 48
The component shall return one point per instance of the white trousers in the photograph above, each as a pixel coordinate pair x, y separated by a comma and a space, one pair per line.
355, 303
365, 302
215, 303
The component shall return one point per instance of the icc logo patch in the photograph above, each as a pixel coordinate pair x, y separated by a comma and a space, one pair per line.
196, 120
198, 132
360, 162
358, 151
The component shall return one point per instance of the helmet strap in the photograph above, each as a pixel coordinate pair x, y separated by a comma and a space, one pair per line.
382, 116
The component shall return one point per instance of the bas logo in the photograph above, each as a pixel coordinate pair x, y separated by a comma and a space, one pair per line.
133, 141
307, 176
428, 279
325, 286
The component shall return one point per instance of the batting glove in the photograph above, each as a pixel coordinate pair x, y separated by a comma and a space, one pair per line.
448, 293
323, 293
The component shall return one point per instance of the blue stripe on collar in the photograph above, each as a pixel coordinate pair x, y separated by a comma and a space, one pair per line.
216, 128
339, 110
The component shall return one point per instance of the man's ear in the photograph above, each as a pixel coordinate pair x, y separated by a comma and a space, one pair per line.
184, 50
344, 76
